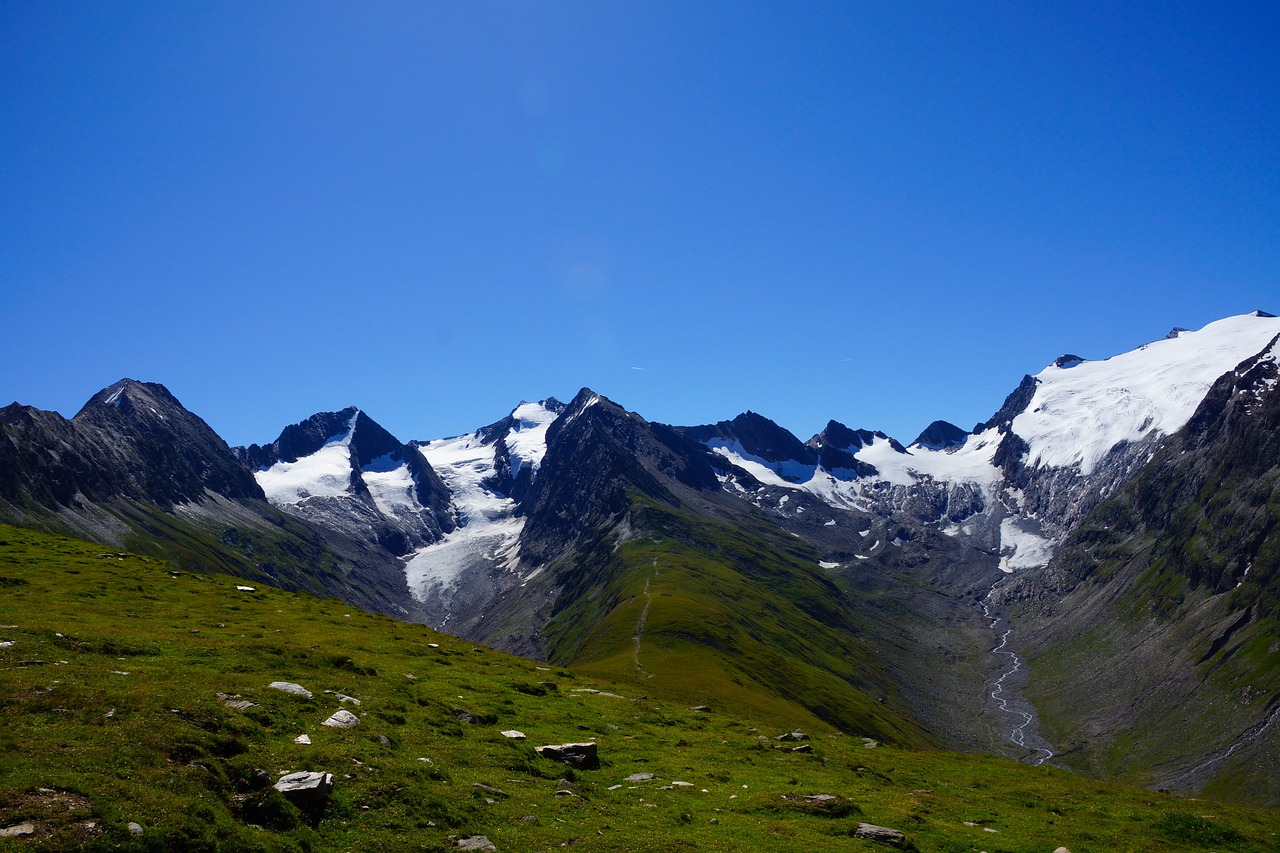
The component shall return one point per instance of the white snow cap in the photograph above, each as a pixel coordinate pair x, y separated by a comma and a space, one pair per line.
1079, 412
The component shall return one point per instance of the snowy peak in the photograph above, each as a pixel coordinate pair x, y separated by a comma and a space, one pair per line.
346, 470
1074, 415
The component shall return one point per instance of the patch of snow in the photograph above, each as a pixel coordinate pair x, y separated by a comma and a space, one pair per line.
326, 473
827, 565
246, 588
527, 440
1021, 546
392, 488
829, 523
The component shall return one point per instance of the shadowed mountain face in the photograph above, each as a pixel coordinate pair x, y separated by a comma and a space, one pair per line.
132, 440
135, 469
1153, 631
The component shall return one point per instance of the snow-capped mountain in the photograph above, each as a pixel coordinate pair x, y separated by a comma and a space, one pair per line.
487, 472
1064, 439
343, 471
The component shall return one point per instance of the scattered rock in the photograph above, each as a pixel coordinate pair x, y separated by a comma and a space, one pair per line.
822, 799
303, 739
529, 819
806, 747
705, 709
582, 756
792, 736
135, 829
18, 831
1062, 850
342, 697
489, 789
342, 719
640, 777
476, 842
384, 740
614, 787
683, 785
305, 788
870, 743
465, 716
563, 792
290, 687
4, 644
513, 734
235, 701
260, 778
883, 834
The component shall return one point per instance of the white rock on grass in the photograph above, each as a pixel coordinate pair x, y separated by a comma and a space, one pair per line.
513, 734
303, 739
343, 719
290, 687
304, 787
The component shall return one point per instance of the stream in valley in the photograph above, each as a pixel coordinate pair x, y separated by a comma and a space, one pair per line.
1004, 701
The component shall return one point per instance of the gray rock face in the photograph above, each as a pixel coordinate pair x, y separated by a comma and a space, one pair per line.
304, 788
583, 756
882, 834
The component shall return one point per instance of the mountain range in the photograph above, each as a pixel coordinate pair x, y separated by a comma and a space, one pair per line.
1117, 515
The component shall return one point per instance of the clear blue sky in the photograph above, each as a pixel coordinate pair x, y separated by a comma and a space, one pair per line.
882, 213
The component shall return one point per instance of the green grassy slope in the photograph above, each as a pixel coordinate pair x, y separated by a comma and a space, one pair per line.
109, 695
734, 617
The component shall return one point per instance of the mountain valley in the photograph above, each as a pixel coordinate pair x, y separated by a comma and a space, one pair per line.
1116, 517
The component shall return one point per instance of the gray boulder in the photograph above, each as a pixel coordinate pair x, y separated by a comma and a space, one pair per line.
343, 719
304, 788
882, 834
476, 842
582, 756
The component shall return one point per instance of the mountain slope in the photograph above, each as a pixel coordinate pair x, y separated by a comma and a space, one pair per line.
1175, 583
165, 720
135, 469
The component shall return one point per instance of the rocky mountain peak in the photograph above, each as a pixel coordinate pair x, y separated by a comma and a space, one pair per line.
940, 435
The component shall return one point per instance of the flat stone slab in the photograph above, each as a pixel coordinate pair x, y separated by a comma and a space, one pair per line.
342, 697
640, 777
306, 787
883, 834
513, 734
18, 831
290, 687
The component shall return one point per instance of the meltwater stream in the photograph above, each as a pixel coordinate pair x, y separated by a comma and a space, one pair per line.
1018, 716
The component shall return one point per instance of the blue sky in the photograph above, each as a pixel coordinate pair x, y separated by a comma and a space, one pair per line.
881, 213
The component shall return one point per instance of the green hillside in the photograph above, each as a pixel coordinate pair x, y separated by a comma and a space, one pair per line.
119, 678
